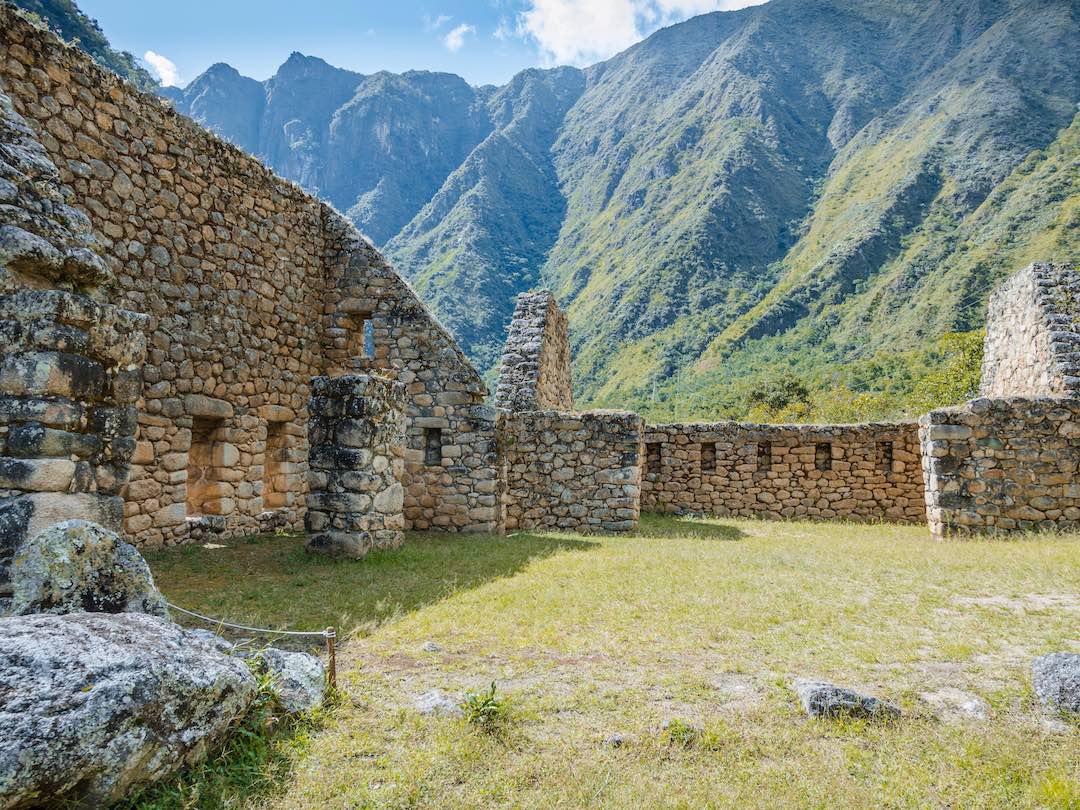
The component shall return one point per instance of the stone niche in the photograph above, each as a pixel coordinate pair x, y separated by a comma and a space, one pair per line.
70, 376
356, 436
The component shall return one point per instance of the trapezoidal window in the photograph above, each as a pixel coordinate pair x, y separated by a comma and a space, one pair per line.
823, 456
652, 457
885, 456
203, 482
275, 484
764, 456
708, 458
433, 447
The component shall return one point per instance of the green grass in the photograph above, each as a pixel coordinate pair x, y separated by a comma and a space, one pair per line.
697, 626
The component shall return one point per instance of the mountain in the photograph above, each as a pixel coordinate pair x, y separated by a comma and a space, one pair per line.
806, 195
65, 18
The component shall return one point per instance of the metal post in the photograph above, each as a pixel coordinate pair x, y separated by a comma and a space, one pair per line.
331, 652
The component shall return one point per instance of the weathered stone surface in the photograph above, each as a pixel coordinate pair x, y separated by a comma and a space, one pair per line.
77, 566
956, 705
95, 704
1056, 678
299, 678
438, 704
822, 699
535, 371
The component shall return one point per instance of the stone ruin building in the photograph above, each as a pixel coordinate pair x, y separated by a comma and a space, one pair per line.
194, 348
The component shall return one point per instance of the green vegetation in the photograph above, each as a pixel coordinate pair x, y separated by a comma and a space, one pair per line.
683, 638
65, 18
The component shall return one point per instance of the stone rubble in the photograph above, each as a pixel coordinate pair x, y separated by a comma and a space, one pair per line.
823, 699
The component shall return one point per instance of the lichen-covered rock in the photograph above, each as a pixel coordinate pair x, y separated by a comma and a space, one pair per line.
78, 566
93, 704
1056, 678
821, 699
299, 678
435, 703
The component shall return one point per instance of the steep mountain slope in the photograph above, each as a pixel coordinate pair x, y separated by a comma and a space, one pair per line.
810, 188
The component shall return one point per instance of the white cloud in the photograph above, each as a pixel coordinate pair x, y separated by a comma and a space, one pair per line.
435, 23
580, 32
455, 39
163, 68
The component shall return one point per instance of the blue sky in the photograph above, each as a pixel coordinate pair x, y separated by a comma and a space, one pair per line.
486, 41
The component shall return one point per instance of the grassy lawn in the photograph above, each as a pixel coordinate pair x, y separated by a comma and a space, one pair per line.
705, 622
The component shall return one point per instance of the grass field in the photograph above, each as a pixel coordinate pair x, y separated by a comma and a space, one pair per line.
701, 622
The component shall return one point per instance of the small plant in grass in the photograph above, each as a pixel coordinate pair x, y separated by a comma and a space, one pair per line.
483, 709
680, 733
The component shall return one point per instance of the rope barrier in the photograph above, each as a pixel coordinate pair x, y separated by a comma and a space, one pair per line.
330, 634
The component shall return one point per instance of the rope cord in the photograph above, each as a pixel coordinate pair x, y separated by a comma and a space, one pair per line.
223, 623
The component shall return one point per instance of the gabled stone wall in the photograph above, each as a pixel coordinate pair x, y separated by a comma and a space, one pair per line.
535, 372
1032, 345
851, 472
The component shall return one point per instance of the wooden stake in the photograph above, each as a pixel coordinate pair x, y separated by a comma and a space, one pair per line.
331, 652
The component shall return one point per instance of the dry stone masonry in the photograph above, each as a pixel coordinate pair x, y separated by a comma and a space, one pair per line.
577, 471
1032, 343
854, 472
357, 449
189, 340
535, 373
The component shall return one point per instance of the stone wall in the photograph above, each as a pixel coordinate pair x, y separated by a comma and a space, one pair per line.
535, 373
1001, 465
851, 472
575, 471
1032, 343
357, 457
253, 288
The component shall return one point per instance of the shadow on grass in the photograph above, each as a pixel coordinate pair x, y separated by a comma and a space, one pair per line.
270, 581
677, 526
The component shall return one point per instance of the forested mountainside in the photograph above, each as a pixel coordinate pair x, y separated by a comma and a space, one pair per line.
787, 211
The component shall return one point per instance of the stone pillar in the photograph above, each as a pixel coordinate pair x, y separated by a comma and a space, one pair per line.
70, 375
356, 457
535, 371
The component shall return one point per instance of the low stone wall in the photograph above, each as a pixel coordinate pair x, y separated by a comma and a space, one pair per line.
357, 457
855, 472
1032, 345
1001, 465
70, 375
578, 471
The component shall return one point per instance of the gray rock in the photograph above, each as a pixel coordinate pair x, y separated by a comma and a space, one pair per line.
436, 703
954, 705
821, 699
211, 640
1056, 678
77, 566
93, 704
299, 678
616, 741
430, 647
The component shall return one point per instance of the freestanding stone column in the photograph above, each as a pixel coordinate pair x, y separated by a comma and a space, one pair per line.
356, 436
70, 375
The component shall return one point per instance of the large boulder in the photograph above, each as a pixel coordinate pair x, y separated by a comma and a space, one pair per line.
299, 679
1056, 678
92, 704
78, 566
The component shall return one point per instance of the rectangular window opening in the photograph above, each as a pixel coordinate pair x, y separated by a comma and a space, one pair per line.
823, 456
764, 456
885, 456
275, 485
202, 470
433, 442
361, 336
652, 457
708, 458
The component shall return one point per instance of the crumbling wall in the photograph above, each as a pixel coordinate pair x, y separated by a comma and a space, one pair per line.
357, 441
854, 472
576, 471
1032, 345
535, 373
1002, 465
253, 288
